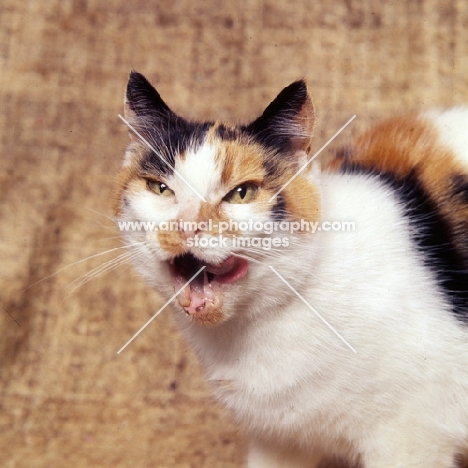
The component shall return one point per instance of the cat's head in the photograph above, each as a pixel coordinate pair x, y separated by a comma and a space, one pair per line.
210, 195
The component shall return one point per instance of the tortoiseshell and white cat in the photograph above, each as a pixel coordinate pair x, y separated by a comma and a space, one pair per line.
395, 288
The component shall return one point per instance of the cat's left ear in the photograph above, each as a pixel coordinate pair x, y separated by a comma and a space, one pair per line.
287, 124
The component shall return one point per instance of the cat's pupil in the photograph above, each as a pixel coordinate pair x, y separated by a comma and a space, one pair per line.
162, 188
242, 191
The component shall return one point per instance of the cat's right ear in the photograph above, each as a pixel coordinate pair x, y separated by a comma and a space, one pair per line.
144, 107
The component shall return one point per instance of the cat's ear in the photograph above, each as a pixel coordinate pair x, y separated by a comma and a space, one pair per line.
287, 124
144, 107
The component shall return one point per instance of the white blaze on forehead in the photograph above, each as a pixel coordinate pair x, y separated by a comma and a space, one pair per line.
200, 169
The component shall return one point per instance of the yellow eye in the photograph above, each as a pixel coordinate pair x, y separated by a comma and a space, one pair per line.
243, 193
159, 188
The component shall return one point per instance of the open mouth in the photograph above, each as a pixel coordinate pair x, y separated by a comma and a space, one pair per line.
203, 296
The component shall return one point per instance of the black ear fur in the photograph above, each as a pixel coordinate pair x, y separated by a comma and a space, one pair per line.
142, 99
287, 123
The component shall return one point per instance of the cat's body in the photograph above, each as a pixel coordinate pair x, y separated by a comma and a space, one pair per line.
269, 345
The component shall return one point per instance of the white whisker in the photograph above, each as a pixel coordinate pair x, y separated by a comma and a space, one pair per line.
110, 218
78, 262
102, 269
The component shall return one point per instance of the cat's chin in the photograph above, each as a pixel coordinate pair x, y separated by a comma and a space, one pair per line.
202, 299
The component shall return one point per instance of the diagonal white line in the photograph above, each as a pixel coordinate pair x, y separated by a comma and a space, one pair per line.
312, 158
312, 309
157, 313
148, 144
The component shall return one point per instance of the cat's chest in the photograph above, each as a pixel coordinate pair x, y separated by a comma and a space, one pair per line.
295, 378
271, 367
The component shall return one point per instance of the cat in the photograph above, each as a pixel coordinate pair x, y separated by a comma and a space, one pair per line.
347, 344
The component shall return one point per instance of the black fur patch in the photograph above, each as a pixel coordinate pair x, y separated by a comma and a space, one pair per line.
278, 210
431, 234
460, 188
154, 163
227, 133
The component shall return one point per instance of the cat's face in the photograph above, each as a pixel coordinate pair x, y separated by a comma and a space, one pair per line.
209, 195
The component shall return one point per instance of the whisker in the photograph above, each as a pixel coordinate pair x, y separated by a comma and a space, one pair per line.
100, 214
76, 263
102, 269
248, 257
118, 236
103, 226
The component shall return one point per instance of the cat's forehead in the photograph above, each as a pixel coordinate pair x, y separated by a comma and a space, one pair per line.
197, 168
238, 157
215, 159
159, 153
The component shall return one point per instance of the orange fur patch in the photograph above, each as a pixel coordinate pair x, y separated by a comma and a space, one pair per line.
401, 145
396, 145
213, 212
123, 179
305, 121
404, 144
127, 174
302, 200
209, 318
172, 242
240, 163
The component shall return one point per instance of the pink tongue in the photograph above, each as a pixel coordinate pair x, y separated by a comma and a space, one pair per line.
232, 269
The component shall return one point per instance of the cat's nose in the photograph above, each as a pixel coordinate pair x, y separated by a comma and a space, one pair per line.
188, 224
189, 230
189, 233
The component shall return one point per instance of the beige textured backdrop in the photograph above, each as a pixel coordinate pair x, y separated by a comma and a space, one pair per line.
66, 397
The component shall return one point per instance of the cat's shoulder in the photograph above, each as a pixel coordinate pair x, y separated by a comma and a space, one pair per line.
423, 158
427, 150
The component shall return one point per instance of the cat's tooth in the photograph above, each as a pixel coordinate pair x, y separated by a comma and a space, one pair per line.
184, 296
208, 290
183, 300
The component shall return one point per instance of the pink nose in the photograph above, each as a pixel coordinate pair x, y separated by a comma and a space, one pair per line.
189, 233
188, 224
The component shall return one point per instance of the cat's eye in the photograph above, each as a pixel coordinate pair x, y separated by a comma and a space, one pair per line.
243, 193
159, 188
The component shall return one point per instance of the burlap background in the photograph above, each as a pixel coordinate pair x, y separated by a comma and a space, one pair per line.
67, 398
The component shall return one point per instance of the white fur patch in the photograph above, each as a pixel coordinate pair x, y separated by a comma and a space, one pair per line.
200, 169
453, 130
